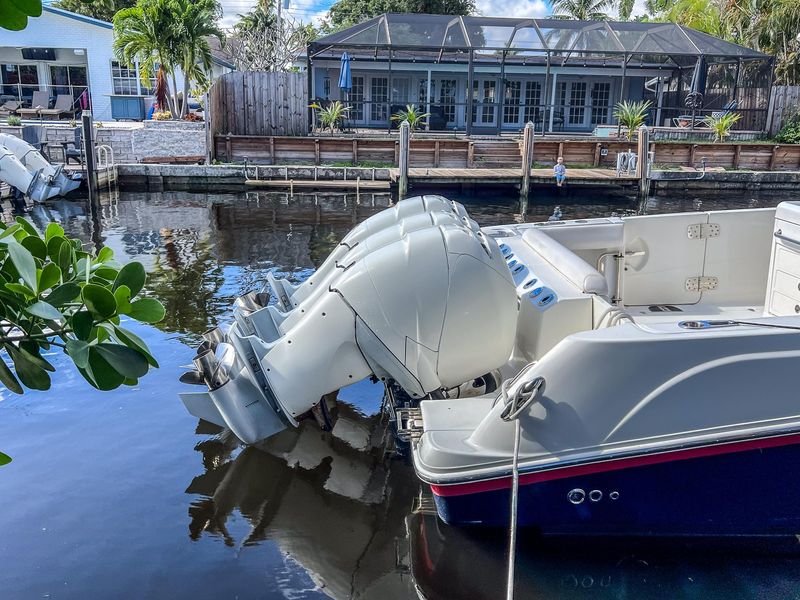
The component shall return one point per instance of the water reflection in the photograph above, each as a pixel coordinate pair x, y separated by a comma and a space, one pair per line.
334, 502
257, 522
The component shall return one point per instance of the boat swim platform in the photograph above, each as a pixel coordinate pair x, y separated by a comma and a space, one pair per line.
592, 177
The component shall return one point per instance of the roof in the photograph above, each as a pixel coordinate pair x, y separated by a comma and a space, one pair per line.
71, 15
533, 36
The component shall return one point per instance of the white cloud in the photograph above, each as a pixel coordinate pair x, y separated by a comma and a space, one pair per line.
514, 8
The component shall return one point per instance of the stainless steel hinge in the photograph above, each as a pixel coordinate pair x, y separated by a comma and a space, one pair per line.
701, 231
701, 284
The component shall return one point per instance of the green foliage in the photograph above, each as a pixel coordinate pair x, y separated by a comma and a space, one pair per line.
790, 132
583, 10
413, 116
332, 115
631, 114
53, 293
168, 34
14, 13
14, 121
346, 13
97, 9
721, 125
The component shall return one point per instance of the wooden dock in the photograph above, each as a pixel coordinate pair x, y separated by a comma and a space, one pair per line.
320, 184
592, 177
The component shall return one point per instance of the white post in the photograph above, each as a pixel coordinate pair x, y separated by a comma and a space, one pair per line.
403, 159
527, 160
428, 101
553, 102
643, 162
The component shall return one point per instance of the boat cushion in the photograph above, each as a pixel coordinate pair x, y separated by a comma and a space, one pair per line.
570, 265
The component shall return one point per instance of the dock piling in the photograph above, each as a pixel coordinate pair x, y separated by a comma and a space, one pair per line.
87, 124
405, 131
643, 162
527, 161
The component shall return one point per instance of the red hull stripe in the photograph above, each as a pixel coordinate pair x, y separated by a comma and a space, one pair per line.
488, 485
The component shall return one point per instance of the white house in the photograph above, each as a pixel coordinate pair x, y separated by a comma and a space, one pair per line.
67, 53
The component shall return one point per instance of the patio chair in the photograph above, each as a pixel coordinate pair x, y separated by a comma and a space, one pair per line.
9, 108
40, 100
729, 107
76, 151
437, 121
33, 135
65, 105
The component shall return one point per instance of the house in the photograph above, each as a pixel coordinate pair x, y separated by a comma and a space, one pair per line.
488, 75
67, 53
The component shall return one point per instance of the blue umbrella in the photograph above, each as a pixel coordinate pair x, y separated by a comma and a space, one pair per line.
345, 78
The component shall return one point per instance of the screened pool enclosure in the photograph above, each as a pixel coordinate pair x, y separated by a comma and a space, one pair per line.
487, 75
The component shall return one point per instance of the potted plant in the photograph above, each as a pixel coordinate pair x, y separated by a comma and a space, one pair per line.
413, 116
14, 121
721, 124
332, 115
631, 115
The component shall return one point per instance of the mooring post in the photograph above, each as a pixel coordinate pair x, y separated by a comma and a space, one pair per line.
527, 161
643, 162
87, 123
402, 161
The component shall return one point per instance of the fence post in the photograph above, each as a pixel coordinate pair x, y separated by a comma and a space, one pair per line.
87, 123
643, 162
403, 159
527, 156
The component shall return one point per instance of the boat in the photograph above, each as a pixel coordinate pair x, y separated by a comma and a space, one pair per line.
634, 375
24, 168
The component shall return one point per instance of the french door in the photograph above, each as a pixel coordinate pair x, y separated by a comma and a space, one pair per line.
356, 99
584, 104
484, 102
601, 102
572, 98
379, 99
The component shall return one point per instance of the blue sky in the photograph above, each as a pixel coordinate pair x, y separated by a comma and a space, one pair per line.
314, 10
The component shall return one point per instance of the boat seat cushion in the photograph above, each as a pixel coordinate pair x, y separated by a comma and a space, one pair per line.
576, 270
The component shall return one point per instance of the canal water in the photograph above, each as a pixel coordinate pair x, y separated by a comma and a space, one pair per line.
125, 495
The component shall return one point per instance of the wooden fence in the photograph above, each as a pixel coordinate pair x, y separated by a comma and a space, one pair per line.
784, 102
259, 103
461, 153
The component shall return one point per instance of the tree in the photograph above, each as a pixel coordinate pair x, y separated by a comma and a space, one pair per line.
56, 294
145, 34
14, 13
346, 13
195, 22
97, 9
582, 10
164, 34
257, 44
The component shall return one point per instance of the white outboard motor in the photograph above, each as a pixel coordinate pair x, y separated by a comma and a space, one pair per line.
411, 214
430, 308
22, 166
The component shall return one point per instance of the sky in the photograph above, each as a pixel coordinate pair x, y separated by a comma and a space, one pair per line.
315, 10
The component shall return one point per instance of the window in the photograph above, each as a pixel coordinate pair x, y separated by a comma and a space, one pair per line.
511, 102
68, 80
19, 81
601, 94
379, 88
356, 98
400, 90
126, 81
447, 98
326, 88
533, 97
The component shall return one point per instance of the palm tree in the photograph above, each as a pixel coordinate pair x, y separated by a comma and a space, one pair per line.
195, 23
582, 10
144, 34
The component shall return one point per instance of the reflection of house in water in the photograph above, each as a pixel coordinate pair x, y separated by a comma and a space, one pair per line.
328, 500
299, 231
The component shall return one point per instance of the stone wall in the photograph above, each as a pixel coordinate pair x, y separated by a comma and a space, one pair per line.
131, 142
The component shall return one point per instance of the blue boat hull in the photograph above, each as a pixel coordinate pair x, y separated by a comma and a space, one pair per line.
754, 492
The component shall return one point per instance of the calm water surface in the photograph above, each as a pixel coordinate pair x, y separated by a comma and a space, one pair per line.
125, 495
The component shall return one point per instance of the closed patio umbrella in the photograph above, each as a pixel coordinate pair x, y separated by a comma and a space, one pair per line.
345, 78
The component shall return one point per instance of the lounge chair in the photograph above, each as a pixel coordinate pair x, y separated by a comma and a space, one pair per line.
729, 107
40, 100
65, 105
9, 108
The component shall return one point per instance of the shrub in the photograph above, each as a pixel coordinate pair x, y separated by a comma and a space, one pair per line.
413, 115
721, 124
162, 115
790, 132
331, 116
14, 121
632, 115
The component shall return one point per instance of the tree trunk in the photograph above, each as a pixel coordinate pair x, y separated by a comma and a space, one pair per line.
176, 107
185, 109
